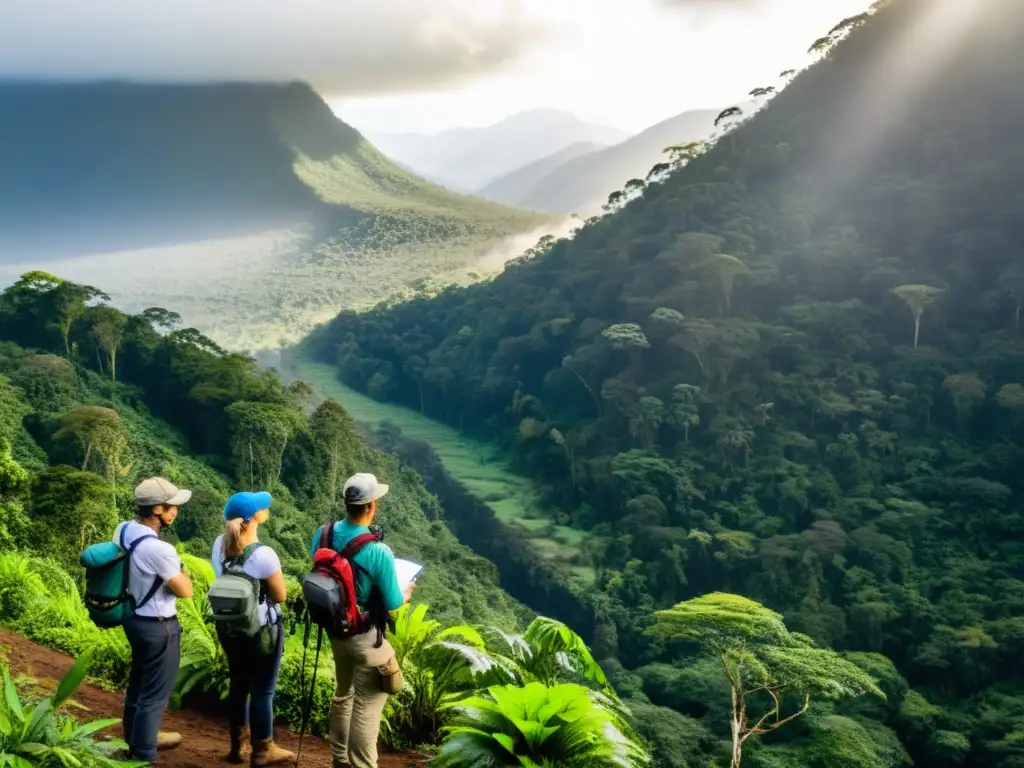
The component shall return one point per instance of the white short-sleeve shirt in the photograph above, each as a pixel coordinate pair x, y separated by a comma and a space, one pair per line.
262, 564
150, 560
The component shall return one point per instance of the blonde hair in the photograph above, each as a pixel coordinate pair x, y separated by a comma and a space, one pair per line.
231, 546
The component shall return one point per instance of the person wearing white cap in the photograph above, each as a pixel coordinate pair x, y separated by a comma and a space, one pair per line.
156, 579
359, 698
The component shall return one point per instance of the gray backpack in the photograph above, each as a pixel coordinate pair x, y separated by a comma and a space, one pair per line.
235, 598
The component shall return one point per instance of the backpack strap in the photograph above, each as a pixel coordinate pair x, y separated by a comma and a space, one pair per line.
327, 536
376, 615
157, 580
356, 544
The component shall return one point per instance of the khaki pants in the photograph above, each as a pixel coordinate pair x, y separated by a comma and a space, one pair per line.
358, 701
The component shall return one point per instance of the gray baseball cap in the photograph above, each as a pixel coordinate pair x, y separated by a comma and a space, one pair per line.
157, 490
362, 488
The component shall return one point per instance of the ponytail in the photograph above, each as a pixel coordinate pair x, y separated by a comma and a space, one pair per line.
231, 547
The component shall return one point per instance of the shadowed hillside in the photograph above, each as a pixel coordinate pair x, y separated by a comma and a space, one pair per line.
109, 163
254, 191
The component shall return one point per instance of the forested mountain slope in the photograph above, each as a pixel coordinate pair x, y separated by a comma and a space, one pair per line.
169, 158
792, 369
92, 400
84, 392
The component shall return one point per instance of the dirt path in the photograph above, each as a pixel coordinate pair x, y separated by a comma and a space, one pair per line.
205, 736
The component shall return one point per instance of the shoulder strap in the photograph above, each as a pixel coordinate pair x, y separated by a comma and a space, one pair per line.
134, 544
327, 536
356, 544
157, 581
247, 552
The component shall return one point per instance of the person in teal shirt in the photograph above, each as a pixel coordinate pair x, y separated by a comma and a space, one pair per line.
359, 661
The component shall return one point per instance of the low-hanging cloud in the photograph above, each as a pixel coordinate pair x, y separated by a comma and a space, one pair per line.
339, 46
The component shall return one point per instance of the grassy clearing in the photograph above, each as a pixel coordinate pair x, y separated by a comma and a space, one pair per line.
474, 464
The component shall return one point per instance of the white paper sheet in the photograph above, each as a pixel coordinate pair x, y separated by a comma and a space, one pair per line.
407, 570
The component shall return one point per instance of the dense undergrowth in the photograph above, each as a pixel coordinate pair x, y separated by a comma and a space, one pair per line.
791, 369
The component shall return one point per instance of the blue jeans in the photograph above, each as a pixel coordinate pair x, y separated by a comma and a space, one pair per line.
156, 654
253, 677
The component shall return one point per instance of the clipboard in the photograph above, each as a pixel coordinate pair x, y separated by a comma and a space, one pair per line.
407, 571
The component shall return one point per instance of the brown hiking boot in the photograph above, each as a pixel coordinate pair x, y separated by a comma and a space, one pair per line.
167, 740
239, 745
266, 752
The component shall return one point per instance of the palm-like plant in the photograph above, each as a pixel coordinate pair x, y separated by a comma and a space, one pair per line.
547, 652
440, 666
536, 726
43, 738
204, 667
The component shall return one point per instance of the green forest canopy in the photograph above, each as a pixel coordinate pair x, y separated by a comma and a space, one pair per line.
791, 369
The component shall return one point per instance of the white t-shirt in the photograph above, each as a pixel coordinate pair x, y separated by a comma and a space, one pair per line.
151, 559
262, 564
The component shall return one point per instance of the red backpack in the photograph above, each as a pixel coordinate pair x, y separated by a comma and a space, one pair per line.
329, 590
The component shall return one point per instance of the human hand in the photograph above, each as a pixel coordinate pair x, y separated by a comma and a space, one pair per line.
408, 591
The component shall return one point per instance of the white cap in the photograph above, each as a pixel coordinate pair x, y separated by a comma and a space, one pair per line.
156, 490
362, 488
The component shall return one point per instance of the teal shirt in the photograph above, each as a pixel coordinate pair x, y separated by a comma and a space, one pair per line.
375, 558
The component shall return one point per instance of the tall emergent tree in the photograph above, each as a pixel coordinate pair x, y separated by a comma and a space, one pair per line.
917, 297
108, 329
763, 662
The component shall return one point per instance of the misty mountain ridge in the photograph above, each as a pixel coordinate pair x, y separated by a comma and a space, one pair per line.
582, 183
520, 183
112, 165
236, 195
466, 159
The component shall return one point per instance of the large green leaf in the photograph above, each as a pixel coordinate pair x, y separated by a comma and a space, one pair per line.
73, 678
11, 698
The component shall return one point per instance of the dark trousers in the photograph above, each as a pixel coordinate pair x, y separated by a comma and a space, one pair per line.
156, 654
253, 677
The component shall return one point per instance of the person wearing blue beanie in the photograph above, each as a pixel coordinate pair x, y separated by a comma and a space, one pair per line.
251, 669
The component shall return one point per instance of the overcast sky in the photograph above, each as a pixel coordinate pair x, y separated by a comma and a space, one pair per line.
425, 65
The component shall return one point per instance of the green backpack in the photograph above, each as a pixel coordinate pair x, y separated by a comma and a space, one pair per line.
235, 597
106, 581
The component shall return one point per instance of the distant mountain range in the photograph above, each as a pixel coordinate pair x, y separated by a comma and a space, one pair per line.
580, 183
466, 159
521, 182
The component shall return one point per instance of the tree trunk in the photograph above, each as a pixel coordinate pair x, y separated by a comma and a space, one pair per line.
252, 482
583, 381
917, 327
113, 366
88, 454
686, 432
737, 732
333, 480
